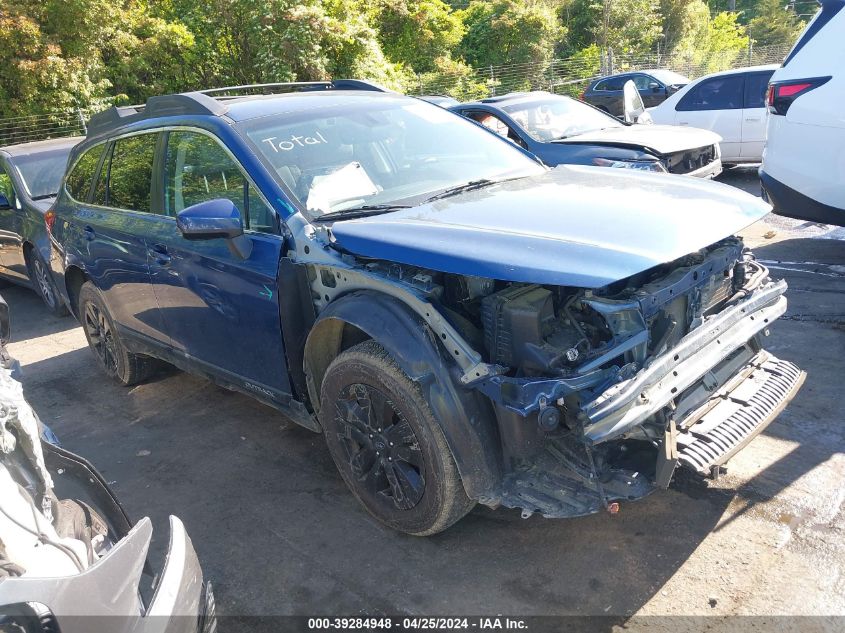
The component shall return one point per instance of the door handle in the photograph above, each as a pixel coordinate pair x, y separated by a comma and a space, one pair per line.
159, 253
752, 119
683, 122
89, 233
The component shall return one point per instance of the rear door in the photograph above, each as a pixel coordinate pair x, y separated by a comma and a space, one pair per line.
754, 116
716, 104
220, 310
109, 231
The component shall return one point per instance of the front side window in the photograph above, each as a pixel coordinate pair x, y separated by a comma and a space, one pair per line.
131, 171
78, 182
198, 169
390, 150
643, 82
719, 93
555, 118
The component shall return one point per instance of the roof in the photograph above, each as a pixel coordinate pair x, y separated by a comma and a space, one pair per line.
35, 147
234, 102
513, 97
734, 71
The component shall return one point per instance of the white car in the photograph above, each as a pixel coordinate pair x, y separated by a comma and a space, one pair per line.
730, 103
803, 172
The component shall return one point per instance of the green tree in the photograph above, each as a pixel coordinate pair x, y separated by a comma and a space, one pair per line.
625, 26
417, 32
774, 24
707, 44
509, 32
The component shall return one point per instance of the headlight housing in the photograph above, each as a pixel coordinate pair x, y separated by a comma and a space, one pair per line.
642, 165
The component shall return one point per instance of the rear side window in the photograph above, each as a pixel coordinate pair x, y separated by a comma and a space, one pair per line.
718, 93
197, 169
755, 89
78, 182
130, 174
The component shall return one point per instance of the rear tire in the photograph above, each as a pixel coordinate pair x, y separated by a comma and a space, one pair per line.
102, 336
42, 282
387, 444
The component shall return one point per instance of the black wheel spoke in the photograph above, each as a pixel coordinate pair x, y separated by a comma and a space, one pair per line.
406, 485
382, 452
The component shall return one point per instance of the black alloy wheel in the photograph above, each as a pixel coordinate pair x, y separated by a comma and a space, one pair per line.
382, 450
387, 444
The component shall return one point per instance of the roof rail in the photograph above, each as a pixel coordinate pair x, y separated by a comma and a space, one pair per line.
304, 86
205, 102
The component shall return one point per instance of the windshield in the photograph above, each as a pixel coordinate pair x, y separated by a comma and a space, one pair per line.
557, 117
380, 152
669, 77
42, 173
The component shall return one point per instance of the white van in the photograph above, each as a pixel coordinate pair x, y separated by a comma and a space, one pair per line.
803, 171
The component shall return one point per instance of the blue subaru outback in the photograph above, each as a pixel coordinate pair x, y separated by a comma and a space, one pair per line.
462, 324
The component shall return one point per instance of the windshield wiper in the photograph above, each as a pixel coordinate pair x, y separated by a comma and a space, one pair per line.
360, 212
467, 186
45, 196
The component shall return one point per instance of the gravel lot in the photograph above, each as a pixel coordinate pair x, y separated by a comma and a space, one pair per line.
278, 533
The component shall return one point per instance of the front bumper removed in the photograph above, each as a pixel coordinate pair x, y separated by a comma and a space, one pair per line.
735, 414
756, 387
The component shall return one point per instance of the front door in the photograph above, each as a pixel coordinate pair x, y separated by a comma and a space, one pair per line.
221, 310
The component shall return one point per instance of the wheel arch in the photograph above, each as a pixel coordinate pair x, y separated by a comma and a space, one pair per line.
74, 276
465, 416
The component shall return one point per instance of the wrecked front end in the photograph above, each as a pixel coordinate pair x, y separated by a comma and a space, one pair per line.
600, 394
661, 370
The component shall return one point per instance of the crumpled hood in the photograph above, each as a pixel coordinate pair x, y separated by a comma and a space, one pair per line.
571, 226
663, 139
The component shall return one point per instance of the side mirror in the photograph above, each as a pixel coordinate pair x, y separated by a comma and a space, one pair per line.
210, 219
4, 202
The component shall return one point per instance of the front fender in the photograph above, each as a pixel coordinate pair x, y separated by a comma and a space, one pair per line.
466, 418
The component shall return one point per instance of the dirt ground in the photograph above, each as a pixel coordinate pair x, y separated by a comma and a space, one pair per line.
278, 533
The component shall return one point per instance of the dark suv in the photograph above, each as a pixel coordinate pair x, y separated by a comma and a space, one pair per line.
30, 175
654, 87
461, 323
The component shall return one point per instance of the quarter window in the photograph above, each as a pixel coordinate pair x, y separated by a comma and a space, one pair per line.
130, 174
78, 182
719, 93
198, 169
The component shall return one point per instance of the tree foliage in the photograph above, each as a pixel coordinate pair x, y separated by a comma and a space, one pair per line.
509, 32
58, 54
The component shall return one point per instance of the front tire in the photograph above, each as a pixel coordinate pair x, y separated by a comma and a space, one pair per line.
42, 282
387, 444
113, 357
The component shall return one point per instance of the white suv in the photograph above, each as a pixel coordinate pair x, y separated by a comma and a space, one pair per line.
803, 171
731, 103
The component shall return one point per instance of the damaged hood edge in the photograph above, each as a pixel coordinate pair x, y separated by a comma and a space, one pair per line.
572, 226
